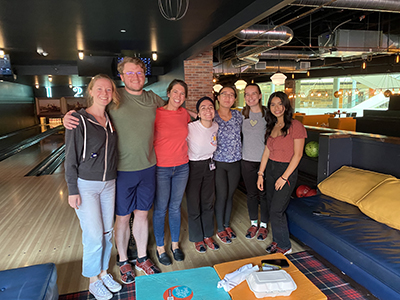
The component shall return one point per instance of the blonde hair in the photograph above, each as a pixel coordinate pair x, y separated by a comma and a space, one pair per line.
115, 95
134, 60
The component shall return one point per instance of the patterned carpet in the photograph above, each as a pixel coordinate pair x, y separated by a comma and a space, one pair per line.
332, 285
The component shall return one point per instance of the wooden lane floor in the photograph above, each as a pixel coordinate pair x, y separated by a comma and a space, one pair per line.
38, 226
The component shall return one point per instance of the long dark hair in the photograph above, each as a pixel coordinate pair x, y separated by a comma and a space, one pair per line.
246, 109
287, 115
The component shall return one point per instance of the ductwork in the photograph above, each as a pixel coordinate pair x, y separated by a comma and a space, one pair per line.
349, 43
370, 5
267, 37
263, 67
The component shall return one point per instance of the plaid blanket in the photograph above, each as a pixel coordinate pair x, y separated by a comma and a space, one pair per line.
323, 278
332, 285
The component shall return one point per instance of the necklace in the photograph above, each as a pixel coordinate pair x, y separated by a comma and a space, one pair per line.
279, 125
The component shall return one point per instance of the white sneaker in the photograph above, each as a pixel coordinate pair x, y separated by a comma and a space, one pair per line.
99, 291
110, 283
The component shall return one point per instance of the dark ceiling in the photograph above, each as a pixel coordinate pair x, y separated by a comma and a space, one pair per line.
63, 27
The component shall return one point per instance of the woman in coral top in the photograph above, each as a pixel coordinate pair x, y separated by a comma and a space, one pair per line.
170, 133
282, 154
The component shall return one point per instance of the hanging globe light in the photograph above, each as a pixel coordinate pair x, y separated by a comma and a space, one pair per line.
217, 88
240, 84
278, 78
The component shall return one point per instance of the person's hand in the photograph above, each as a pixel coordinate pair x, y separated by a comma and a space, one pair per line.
260, 183
74, 201
70, 122
279, 183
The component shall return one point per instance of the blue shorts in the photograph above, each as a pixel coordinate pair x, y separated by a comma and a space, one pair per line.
135, 190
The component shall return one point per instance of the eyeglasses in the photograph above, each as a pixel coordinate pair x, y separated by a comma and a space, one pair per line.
133, 73
227, 95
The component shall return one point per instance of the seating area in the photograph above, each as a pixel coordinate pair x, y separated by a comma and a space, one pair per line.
38, 282
357, 228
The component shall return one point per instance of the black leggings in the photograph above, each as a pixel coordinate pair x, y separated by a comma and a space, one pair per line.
255, 197
227, 176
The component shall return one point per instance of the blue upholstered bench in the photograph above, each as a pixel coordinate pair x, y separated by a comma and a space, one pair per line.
37, 282
364, 249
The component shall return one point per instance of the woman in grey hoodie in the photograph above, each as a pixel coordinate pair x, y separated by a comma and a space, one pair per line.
90, 172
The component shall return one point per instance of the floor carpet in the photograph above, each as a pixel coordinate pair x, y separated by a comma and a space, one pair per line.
332, 285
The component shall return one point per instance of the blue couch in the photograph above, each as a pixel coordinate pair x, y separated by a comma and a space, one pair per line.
362, 248
38, 282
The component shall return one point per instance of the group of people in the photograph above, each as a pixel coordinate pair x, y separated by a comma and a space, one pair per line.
159, 154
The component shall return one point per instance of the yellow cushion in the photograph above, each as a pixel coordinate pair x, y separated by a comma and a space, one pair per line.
383, 204
351, 185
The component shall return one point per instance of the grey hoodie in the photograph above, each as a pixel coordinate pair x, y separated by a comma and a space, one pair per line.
90, 151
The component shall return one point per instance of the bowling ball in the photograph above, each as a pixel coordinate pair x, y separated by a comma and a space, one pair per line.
310, 193
302, 190
312, 149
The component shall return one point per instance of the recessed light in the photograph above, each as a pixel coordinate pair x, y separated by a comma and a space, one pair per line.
123, 30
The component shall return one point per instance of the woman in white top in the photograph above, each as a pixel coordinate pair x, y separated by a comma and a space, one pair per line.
202, 142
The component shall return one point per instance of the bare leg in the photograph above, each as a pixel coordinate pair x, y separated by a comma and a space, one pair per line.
140, 230
121, 229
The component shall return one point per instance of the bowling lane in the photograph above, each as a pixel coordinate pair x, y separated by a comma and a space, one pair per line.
21, 163
18, 137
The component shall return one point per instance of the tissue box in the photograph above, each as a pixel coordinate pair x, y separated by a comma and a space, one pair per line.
271, 283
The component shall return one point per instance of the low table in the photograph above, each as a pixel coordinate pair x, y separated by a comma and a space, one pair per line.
305, 288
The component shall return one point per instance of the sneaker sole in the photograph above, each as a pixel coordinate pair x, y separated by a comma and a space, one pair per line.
288, 252
200, 251
100, 297
223, 242
140, 269
128, 282
249, 238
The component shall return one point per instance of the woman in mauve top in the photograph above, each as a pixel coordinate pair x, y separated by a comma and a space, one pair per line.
227, 160
278, 169
170, 146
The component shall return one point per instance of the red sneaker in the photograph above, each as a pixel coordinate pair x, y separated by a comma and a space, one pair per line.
230, 232
211, 243
273, 248
127, 274
147, 267
251, 232
262, 234
200, 247
224, 237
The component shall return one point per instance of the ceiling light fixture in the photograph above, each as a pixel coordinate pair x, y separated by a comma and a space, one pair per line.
2, 53
37, 85
397, 58
240, 84
173, 12
50, 78
81, 55
123, 30
278, 78
217, 88
154, 56
308, 73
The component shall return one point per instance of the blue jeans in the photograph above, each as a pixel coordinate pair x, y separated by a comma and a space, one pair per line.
171, 184
96, 216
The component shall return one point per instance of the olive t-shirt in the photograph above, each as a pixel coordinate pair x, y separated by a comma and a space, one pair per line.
134, 122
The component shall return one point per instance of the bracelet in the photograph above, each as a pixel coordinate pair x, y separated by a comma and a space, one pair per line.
284, 179
260, 173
